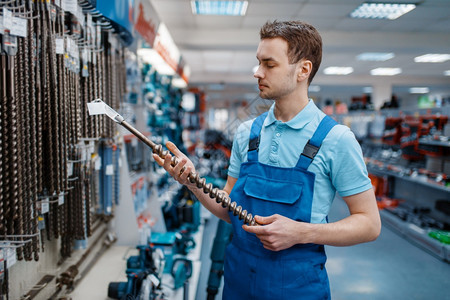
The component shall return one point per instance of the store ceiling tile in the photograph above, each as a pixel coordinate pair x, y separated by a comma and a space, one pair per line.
336, 10
217, 22
273, 8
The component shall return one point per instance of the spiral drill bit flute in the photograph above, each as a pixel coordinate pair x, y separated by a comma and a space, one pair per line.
98, 107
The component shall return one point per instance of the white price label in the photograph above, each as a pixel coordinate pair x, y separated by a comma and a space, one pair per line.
69, 5
69, 169
98, 163
19, 27
109, 170
61, 199
59, 43
7, 19
11, 257
83, 155
45, 206
2, 31
80, 16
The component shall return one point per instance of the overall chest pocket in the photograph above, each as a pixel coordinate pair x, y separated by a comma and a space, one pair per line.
273, 190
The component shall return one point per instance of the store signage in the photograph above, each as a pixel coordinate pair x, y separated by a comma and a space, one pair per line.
146, 21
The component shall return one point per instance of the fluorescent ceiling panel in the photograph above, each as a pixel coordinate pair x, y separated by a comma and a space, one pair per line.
380, 10
432, 58
221, 8
419, 90
385, 71
375, 56
338, 70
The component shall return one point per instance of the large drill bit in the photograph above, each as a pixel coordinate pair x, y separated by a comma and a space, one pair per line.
99, 107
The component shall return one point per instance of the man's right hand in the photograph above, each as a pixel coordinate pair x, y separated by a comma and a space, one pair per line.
177, 172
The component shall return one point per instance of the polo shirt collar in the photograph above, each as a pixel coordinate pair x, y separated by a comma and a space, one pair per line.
299, 121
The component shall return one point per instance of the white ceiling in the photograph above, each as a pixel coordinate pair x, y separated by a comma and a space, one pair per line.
220, 50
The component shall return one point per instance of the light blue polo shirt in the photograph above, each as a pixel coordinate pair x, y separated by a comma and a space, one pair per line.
339, 165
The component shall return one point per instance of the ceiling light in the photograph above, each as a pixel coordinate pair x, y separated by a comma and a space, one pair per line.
447, 73
432, 58
376, 10
338, 70
385, 71
419, 90
375, 56
222, 8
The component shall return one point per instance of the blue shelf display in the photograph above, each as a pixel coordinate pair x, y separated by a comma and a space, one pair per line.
118, 14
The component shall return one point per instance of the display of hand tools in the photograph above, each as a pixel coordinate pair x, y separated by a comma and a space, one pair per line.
55, 57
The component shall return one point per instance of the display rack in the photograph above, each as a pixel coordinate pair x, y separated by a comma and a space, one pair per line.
410, 187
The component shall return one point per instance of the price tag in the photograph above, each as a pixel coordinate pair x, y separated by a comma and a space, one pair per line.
98, 163
7, 19
83, 155
61, 199
2, 31
59, 43
109, 170
45, 206
69, 5
19, 27
154, 279
11, 257
80, 16
69, 169
96, 108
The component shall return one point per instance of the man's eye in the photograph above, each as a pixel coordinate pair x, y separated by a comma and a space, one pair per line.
270, 66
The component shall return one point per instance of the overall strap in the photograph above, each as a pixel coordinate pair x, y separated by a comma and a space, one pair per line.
255, 134
313, 145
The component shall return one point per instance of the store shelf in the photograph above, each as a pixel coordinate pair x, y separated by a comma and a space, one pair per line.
427, 141
420, 180
416, 235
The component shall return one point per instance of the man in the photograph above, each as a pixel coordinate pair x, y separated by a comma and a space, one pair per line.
285, 168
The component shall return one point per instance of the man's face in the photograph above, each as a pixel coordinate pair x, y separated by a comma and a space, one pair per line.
277, 78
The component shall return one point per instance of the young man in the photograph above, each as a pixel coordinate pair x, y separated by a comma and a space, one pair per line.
285, 168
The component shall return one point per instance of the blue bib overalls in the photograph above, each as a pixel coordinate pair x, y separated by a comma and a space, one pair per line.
252, 272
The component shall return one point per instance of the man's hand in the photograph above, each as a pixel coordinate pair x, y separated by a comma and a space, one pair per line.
278, 232
176, 172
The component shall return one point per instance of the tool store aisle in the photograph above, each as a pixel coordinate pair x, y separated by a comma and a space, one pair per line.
388, 268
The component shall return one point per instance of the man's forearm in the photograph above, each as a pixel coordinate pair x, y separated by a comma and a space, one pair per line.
354, 229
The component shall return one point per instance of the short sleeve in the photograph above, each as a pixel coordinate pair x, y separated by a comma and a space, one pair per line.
239, 149
348, 169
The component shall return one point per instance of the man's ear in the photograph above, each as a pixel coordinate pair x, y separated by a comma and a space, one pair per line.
304, 69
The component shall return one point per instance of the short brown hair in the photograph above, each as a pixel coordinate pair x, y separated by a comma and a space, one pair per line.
304, 41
